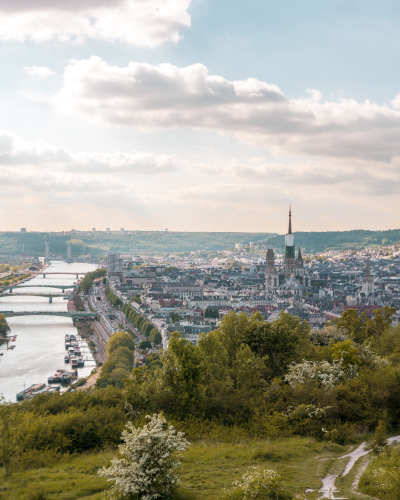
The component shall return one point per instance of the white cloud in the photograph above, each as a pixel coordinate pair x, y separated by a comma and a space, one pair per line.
139, 22
55, 159
147, 97
39, 71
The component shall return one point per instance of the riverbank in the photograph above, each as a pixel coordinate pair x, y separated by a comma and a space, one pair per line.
40, 349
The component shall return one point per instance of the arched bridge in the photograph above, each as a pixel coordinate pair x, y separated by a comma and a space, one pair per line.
70, 314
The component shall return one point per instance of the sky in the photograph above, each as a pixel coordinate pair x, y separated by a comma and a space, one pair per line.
199, 115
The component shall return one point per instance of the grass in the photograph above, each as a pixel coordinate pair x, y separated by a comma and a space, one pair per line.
207, 468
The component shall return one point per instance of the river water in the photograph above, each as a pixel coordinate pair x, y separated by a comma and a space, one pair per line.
39, 348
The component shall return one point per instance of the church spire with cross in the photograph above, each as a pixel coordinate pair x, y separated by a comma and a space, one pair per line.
290, 257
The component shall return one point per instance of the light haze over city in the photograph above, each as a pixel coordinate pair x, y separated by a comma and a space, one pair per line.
199, 115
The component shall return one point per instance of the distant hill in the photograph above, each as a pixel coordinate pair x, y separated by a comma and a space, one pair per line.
158, 241
336, 240
140, 241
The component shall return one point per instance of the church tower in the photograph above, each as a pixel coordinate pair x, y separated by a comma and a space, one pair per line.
368, 283
271, 274
299, 264
290, 257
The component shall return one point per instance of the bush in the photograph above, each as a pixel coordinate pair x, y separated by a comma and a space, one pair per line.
256, 483
151, 457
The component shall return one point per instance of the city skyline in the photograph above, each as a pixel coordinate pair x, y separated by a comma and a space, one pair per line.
199, 117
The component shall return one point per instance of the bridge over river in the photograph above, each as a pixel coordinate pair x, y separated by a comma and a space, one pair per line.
10, 288
70, 314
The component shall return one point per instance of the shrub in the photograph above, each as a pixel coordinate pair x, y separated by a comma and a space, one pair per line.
151, 457
256, 483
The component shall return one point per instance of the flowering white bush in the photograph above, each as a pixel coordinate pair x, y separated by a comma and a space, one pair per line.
256, 483
330, 374
327, 374
323, 336
302, 412
152, 455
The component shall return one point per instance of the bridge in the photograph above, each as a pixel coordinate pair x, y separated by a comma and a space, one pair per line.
44, 274
10, 288
50, 296
70, 314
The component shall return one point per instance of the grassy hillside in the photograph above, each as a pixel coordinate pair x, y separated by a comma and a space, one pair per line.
208, 467
158, 241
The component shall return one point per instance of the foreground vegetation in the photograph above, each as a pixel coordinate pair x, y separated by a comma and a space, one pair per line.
278, 395
209, 465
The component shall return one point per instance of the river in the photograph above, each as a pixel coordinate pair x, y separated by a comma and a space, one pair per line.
39, 348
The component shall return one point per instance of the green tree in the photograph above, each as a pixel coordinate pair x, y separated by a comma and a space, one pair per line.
145, 344
354, 324
182, 372
233, 332
120, 339
174, 316
86, 284
282, 341
4, 326
381, 321
248, 370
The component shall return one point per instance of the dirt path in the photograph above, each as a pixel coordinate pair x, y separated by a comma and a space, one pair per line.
328, 482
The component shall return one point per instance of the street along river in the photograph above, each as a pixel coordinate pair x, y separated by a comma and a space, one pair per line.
39, 347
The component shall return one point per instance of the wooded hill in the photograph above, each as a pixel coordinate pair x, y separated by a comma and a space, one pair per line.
162, 241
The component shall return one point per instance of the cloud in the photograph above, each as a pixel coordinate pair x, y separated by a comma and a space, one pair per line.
355, 177
39, 71
139, 22
143, 96
25, 155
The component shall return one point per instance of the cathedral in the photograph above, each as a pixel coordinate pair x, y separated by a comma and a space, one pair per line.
292, 277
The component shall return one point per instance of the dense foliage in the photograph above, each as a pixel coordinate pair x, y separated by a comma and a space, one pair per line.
251, 376
112, 298
4, 327
144, 326
121, 355
87, 282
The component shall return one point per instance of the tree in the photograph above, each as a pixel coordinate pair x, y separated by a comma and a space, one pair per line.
174, 316
86, 284
120, 339
380, 322
157, 340
136, 299
151, 456
248, 370
354, 324
145, 344
282, 340
182, 372
104, 280
5, 435
233, 332
214, 356
4, 326
211, 312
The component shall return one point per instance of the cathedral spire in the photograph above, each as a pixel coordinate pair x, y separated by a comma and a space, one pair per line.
290, 219
368, 269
